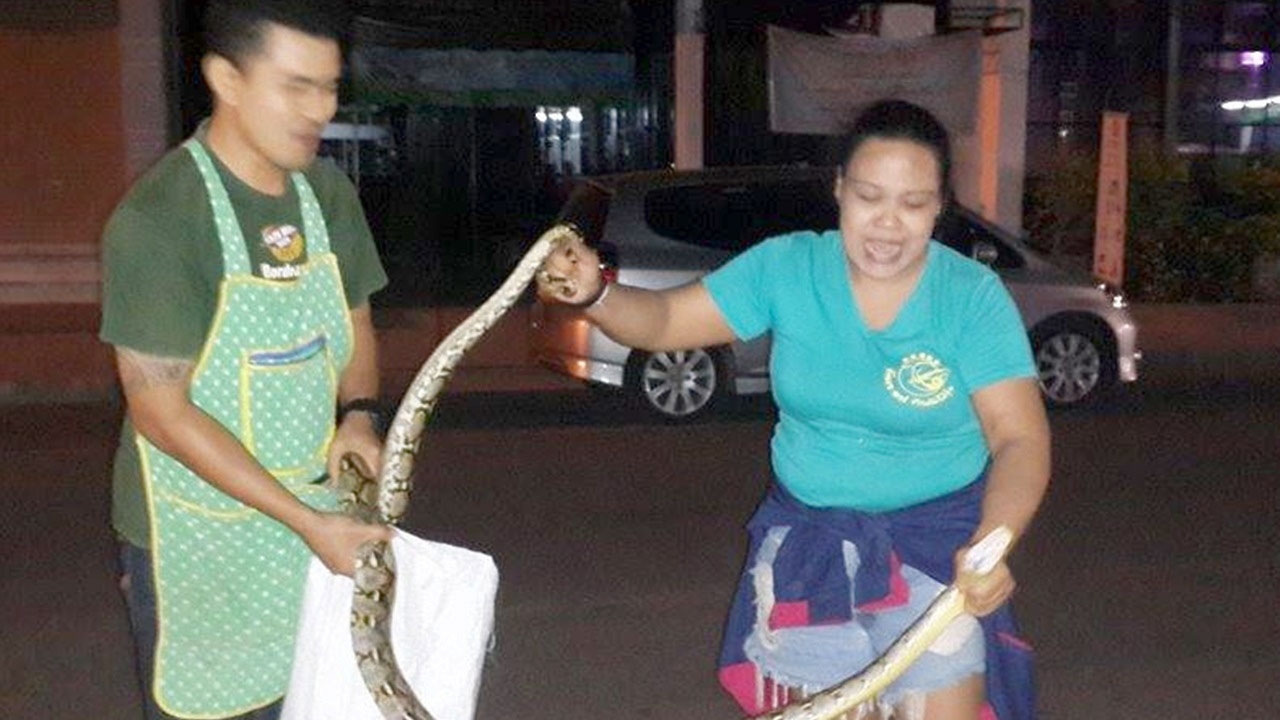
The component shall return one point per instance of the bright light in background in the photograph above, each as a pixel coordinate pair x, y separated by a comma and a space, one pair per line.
573, 114
1255, 104
1253, 58
560, 142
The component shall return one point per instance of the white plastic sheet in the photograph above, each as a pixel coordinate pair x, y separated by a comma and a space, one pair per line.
440, 632
817, 84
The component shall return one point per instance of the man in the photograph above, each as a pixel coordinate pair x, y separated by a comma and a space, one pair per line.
237, 277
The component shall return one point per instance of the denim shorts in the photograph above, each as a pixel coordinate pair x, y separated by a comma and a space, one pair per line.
812, 658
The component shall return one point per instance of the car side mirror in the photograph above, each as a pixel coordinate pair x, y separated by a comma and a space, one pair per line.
985, 253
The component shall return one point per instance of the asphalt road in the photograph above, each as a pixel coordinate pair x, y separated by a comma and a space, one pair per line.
1149, 584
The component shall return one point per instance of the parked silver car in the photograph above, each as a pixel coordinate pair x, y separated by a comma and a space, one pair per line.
667, 228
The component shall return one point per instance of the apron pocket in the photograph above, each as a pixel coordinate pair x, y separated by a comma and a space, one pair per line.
287, 401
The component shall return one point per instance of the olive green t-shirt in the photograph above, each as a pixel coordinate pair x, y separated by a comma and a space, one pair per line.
162, 268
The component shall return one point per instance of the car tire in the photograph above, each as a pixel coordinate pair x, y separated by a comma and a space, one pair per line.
679, 384
1075, 360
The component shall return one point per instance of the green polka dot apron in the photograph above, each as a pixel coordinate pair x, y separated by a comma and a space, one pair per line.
229, 579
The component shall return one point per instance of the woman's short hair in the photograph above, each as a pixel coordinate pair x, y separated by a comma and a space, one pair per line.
235, 29
900, 120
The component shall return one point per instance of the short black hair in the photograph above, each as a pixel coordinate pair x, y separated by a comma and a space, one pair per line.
235, 29
900, 120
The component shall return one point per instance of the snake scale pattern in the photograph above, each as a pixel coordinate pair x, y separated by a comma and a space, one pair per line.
386, 500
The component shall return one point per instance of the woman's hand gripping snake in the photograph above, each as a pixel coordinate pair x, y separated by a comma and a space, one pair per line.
386, 500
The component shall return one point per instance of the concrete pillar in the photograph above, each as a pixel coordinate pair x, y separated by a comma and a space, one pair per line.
1015, 62
990, 98
991, 163
142, 80
689, 51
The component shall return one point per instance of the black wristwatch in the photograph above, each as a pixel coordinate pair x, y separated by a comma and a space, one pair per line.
372, 406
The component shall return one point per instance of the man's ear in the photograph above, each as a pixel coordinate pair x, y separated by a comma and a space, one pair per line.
223, 78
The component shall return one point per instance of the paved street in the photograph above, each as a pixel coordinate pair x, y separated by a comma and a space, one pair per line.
1149, 585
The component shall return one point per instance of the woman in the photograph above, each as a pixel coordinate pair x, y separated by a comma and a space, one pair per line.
910, 425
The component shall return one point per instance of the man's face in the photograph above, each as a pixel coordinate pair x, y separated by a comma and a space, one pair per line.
286, 93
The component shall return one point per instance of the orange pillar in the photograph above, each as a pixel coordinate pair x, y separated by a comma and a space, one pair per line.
145, 105
689, 51
989, 110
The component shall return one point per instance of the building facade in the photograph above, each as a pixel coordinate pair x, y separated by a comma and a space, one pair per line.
1197, 77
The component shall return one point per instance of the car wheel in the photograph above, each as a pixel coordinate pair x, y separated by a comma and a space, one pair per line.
678, 384
1074, 361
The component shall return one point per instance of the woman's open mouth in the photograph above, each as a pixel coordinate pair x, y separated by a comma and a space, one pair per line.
881, 251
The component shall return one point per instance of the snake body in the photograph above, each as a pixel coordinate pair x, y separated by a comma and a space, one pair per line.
838, 701
386, 500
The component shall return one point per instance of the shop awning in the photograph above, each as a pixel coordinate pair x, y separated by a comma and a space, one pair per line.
489, 78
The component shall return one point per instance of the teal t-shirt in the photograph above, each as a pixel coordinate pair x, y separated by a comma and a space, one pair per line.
873, 419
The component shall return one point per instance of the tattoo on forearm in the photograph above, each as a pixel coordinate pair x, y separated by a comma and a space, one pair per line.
139, 371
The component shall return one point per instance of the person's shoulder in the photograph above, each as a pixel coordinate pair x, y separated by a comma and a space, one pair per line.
164, 201
328, 181
798, 241
325, 171
961, 270
166, 192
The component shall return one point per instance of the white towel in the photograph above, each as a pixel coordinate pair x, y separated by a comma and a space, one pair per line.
440, 632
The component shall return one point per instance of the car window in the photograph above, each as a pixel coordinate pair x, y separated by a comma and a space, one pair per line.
961, 234
735, 216
801, 205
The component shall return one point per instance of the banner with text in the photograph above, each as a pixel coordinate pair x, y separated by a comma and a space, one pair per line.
1113, 197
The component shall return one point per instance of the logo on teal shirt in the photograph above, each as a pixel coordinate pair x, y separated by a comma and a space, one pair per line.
920, 381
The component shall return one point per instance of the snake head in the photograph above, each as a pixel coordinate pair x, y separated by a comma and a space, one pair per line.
566, 231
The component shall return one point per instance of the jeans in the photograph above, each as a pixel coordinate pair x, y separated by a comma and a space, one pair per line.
138, 585
813, 657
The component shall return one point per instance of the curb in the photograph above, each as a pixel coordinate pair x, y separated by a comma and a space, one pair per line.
1236, 342
50, 353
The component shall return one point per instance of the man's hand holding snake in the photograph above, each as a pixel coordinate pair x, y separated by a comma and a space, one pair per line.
356, 435
335, 538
